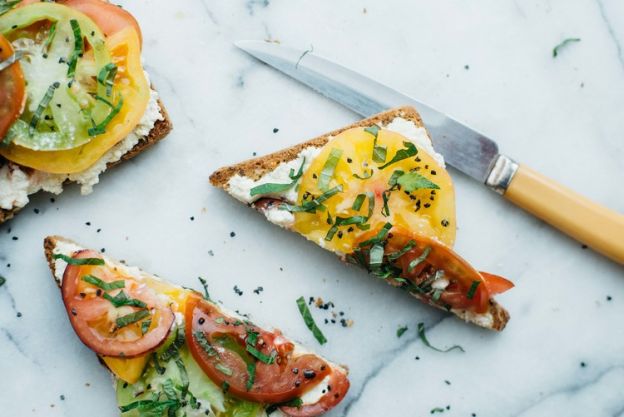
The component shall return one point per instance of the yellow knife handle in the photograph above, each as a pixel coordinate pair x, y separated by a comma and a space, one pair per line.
596, 226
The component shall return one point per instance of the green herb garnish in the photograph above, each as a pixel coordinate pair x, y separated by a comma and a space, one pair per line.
380, 237
423, 337
51, 35
78, 261
2, 280
121, 299
365, 176
313, 205
223, 369
412, 181
169, 389
271, 188
205, 285
309, 321
327, 173
251, 370
225, 387
357, 203
473, 289
205, 344
437, 410
385, 196
78, 48
43, 104
415, 262
251, 340
376, 254
145, 326
393, 181
106, 286
153, 407
131, 318
396, 255
563, 43
401, 330
106, 77
5, 5
100, 128
408, 151
379, 152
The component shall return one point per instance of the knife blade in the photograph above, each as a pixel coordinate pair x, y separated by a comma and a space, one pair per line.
464, 148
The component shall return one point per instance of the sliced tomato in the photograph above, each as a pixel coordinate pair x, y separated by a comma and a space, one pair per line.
337, 387
94, 318
460, 274
108, 16
222, 347
12, 89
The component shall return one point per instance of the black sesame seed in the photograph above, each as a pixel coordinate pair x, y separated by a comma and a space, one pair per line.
309, 373
349, 160
201, 320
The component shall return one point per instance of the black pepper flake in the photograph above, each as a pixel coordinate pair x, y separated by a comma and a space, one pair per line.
36, 211
74, 312
238, 290
192, 218
340, 235
609, 298
232, 234
309, 373
418, 159
417, 358
103, 250
201, 320
258, 290
275, 130
314, 176
350, 229
88, 223
427, 205
583, 364
62, 397
98, 230
349, 160
297, 383
584, 247
19, 314
444, 223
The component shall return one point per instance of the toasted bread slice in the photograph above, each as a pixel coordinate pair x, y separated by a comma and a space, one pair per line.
136, 374
495, 318
161, 128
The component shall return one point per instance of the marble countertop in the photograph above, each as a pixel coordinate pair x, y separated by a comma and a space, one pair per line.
486, 62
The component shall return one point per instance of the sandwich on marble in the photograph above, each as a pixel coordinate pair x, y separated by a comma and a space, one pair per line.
173, 352
378, 195
77, 100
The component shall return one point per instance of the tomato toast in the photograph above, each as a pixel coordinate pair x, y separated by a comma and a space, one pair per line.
378, 195
78, 100
174, 352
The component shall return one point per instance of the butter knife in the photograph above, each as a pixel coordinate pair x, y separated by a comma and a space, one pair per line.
467, 150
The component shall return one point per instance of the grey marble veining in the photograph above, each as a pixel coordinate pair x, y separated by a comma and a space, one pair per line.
486, 62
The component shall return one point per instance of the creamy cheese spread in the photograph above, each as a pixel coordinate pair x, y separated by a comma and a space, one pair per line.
16, 184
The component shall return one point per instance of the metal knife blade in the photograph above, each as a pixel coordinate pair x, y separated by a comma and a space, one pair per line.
462, 147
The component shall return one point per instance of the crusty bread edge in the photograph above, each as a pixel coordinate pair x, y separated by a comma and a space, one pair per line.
257, 167
159, 131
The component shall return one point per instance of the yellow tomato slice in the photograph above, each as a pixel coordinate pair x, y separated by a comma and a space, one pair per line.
130, 83
127, 369
428, 212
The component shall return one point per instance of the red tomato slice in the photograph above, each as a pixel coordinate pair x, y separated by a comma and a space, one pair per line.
12, 89
496, 284
94, 318
109, 17
457, 270
338, 385
221, 346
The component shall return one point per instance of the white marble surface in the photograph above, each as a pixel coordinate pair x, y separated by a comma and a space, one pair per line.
562, 116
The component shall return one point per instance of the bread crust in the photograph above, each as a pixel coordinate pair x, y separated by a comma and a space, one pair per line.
159, 131
258, 167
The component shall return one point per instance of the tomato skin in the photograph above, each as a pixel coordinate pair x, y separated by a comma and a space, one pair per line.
496, 284
109, 17
285, 379
82, 311
12, 89
339, 384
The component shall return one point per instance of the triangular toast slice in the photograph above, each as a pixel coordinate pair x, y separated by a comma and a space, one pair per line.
320, 188
173, 351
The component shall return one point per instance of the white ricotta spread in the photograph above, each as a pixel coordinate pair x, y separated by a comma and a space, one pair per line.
418, 135
16, 185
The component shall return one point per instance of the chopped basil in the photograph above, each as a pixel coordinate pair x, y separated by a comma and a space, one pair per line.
225, 387
2, 280
313, 205
43, 104
153, 407
169, 389
106, 286
121, 299
78, 261
100, 128
380, 237
331, 233
437, 410
437, 294
376, 255
205, 285
131, 318
401, 330
327, 173
393, 181
5, 5
473, 289
396, 255
371, 203
357, 203
271, 188
412, 181
423, 338
365, 176
385, 196
145, 326
252, 338
373, 130
557, 48
408, 151
205, 344
223, 369
415, 262
295, 402
51, 35
345, 221
78, 48
379, 152
309, 321
106, 77
251, 370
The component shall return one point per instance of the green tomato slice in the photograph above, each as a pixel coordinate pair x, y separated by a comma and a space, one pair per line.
62, 120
